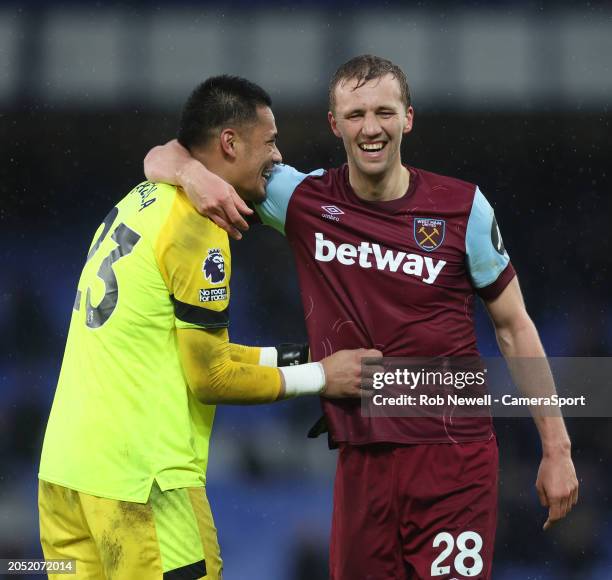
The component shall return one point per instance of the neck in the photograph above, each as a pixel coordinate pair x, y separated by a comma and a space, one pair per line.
384, 187
215, 163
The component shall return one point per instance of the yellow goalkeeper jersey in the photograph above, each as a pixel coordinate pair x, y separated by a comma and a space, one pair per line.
123, 415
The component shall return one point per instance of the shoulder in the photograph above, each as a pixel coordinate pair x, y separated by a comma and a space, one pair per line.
442, 191
327, 178
283, 183
169, 201
165, 215
320, 181
285, 179
436, 181
145, 207
148, 200
148, 192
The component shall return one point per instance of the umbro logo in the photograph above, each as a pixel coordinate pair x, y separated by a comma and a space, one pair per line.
332, 209
331, 212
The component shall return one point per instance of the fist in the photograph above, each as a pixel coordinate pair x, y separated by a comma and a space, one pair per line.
346, 372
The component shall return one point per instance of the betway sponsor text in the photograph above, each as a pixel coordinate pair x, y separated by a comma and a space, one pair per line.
367, 255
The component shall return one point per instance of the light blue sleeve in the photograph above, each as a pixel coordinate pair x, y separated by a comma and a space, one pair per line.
486, 256
283, 182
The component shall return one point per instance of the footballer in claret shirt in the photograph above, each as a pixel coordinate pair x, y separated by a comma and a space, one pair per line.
391, 257
399, 276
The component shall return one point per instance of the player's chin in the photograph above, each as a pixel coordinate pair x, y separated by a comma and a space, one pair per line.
258, 194
373, 161
254, 192
372, 167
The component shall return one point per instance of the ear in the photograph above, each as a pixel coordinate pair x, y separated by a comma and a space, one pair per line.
227, 140
409, 120
333, 124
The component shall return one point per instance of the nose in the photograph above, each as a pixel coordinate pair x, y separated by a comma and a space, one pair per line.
371, 126
276, 155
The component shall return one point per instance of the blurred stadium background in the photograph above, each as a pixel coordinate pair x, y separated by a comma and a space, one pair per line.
512, 95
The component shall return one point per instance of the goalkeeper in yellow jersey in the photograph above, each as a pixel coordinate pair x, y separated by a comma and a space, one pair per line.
123, 465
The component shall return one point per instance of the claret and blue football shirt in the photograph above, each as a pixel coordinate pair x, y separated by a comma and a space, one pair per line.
399, 276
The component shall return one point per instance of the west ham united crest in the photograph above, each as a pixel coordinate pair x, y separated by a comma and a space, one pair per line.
429, 233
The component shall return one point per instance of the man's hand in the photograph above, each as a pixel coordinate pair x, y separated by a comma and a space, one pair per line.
557, 486
344, 375
210, 195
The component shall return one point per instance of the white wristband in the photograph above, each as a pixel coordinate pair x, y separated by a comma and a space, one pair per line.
268, 356
308, 379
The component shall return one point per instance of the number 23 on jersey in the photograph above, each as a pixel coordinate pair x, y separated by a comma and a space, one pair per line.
121, 243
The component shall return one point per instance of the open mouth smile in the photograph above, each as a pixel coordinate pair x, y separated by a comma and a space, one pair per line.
372, 147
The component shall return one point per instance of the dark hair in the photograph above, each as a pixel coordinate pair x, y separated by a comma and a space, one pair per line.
219, 102
365, 68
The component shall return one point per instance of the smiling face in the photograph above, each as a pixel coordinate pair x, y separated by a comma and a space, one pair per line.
256, 154
371, 120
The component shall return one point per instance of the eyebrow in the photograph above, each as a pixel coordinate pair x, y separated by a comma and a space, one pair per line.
380, 108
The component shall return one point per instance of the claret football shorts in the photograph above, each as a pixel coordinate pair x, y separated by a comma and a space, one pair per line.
414, 512
171, 537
